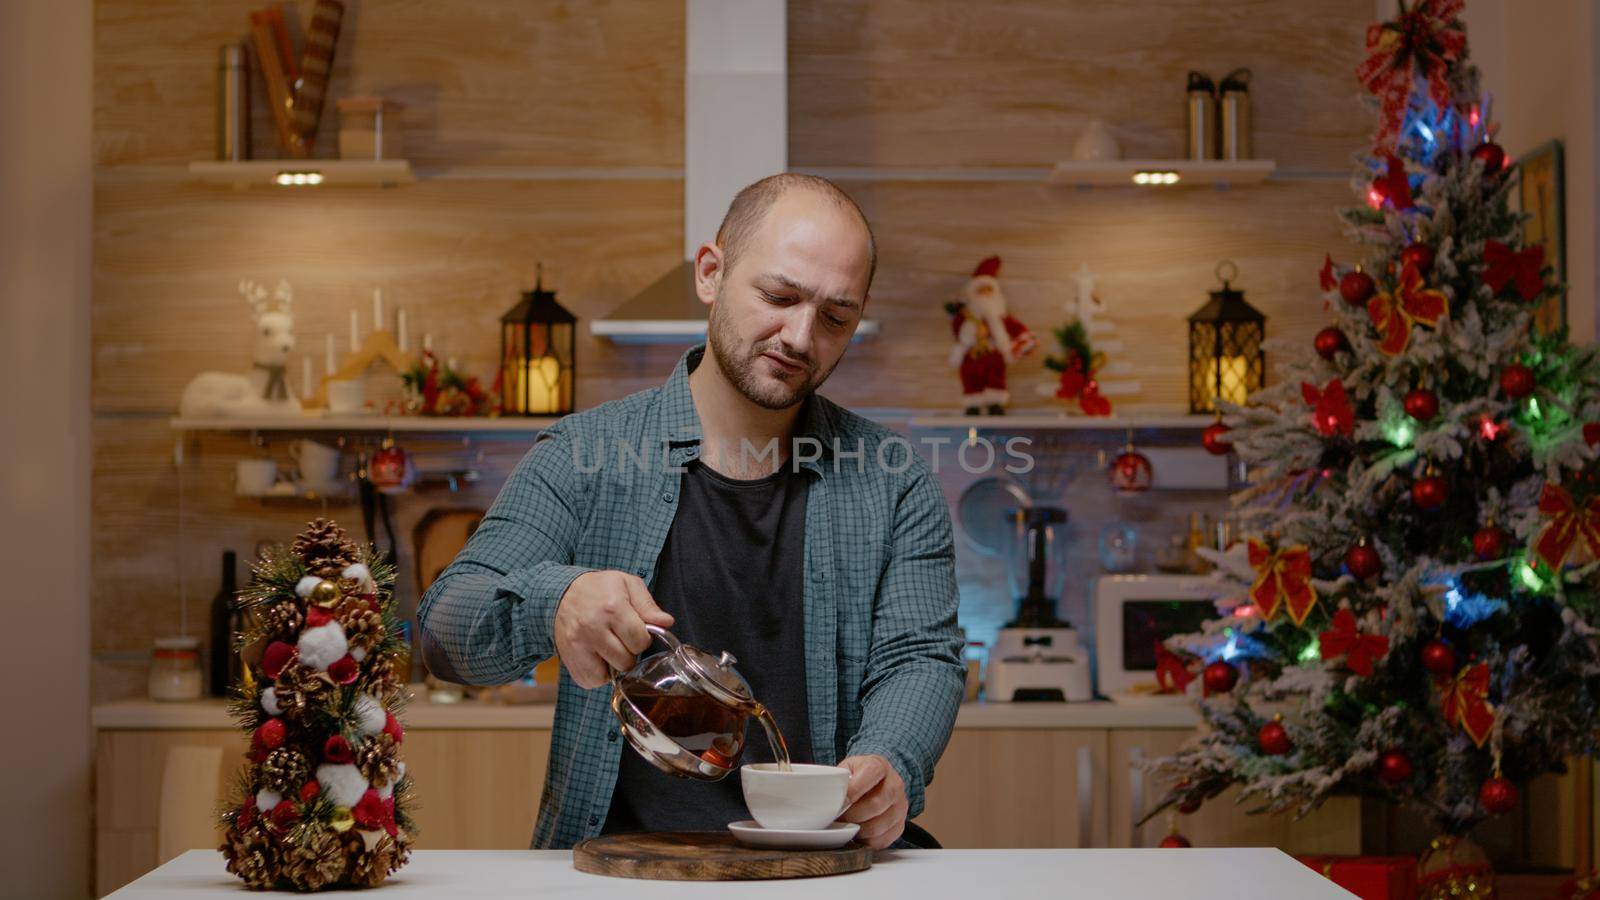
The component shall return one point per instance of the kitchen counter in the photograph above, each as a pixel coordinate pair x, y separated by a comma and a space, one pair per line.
1233, 874
419, 714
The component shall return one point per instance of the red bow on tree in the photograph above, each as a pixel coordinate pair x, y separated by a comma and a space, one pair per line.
1172, 674
1077, 382
1464, 701
1330, 408
1571, 528
1325, 275
1360, 650
1283, 578
1422, 43
1503, 265
1417, 304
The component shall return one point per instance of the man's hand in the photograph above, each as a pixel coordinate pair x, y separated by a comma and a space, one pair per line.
877, 798
600, 620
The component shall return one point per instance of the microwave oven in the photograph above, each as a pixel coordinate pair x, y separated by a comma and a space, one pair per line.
1133, 613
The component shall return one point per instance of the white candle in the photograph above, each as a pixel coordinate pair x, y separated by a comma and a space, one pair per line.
355, 331
328, 356
377, 309
450, 363
305, 377
427, 342
401, 325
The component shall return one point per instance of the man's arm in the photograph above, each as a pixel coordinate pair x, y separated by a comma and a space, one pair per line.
915, 676
489, 618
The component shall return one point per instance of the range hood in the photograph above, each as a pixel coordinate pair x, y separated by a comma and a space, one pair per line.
735, 131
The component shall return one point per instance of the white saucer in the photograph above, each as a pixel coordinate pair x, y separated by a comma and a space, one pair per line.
751, 833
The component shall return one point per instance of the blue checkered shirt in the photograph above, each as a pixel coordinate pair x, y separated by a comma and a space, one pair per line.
884, 672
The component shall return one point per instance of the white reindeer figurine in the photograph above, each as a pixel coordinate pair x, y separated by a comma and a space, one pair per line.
264, 390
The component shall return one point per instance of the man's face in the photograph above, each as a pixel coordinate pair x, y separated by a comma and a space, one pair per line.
785, 313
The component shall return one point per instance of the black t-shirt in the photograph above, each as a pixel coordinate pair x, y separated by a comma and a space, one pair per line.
731, 574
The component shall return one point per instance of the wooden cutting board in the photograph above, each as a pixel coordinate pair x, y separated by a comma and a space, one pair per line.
709, 856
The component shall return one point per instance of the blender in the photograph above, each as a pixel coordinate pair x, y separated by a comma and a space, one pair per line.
1037, 656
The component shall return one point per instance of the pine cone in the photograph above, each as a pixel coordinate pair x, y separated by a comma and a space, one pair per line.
324, 549
283, 619
250, 857
371, 867
285, 770
363, 625
317, 863
379, 759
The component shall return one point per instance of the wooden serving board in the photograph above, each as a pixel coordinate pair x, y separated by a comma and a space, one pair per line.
709, 856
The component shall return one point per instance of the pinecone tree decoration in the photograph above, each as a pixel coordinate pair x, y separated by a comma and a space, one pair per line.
282, 619
379, 759
317, 863
363, 625
324, 549
285, 770
250, 856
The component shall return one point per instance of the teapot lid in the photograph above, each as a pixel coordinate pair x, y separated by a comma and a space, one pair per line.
713, 674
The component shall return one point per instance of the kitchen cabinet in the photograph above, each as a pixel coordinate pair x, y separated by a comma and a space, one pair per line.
1011, 787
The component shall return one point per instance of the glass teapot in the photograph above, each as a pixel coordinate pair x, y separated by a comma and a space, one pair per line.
684, 710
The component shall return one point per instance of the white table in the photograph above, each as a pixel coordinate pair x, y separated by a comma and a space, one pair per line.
1233, 874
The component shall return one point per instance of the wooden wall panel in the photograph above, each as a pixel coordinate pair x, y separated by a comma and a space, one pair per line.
497, 82
1013, 82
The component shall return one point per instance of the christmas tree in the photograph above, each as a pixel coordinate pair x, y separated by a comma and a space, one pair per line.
323, 800
1417, 607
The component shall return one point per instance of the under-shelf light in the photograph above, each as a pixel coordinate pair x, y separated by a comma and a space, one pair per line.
298, 179
1160, 178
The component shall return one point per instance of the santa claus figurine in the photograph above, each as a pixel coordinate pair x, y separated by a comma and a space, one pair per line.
987, 340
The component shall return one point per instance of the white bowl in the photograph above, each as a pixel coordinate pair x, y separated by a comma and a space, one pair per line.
806, 798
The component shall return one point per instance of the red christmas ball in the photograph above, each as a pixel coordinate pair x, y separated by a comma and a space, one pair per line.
1274, 740
1394, 766
337, 750
1492, 155
1438, 658
283, 816
1189, 807
344, 670
1131, 472
1362, 561
391, 727
1175, 841
273, 659
310, 791
1418, 256
1421, 404
1329, 342
1591, 433
1356, 287
1516, 380
271, 734
1219, 677
1213, 438
1497, 796
1489, 543
1430, 492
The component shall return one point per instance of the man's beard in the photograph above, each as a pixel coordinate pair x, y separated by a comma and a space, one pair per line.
741, 369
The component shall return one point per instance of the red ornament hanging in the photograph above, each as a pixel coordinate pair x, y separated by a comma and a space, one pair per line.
1516, 380
1214, 439
277, 656
1419, 255
1591, 433
1189, 807
1430, 492
1489, 543
1175, 841
1274, 740
1220, 677
1394, 766
1438, 658
1491, 155
1362, 561
1131, 472
1356, 287
1329, 342
1422, 404
1497, 796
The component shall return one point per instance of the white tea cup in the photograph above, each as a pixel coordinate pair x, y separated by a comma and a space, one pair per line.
254, 477
346, 396
319, 465
805, 798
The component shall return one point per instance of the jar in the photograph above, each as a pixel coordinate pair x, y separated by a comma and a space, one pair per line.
175, 669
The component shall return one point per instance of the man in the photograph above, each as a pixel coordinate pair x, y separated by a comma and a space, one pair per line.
747, 514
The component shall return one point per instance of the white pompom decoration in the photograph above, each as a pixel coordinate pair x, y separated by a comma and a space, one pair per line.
358, 653
269, 702
363, 575
342, 783
322, 646
370, 714
266, 800
303, 586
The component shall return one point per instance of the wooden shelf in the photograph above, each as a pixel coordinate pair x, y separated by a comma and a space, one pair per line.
328, 172
1047, 421
1188, 172
508, 425
678, 331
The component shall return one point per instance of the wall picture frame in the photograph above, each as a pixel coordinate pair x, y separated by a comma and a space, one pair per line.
1541, 195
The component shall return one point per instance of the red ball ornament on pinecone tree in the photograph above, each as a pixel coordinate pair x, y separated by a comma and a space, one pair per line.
1329, 342
1421, 404
1439, 658
1219, 677
1430, 492
1356, 288
1489, 543
1274, 740
1492, 155
1497, 795
1213, 439
1362, 561
1516, 380
1394, 766
1419, 256
1175, 841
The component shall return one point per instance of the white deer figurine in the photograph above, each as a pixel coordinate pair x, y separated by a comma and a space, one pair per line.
263, 390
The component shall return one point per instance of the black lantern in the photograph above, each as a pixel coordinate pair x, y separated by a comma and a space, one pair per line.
1225, 357
538, 338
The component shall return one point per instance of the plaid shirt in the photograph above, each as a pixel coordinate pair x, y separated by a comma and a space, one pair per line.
884, 672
